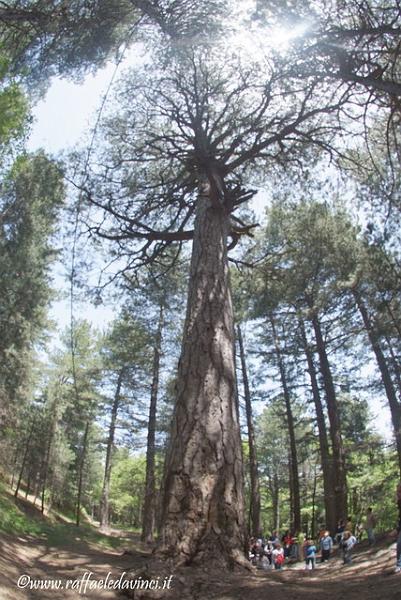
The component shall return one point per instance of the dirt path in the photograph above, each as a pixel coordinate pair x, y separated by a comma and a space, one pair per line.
371, 577
32, 557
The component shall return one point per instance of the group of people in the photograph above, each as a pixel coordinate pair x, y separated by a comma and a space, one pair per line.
273, 552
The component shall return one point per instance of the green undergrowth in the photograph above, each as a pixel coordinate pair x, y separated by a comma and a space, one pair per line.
21, 518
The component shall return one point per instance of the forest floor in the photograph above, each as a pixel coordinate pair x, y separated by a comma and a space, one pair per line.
64, 553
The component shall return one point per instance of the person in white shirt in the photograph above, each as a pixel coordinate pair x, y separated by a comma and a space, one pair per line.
348, 542
278, 556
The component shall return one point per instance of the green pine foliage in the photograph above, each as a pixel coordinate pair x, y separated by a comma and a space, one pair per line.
31, 196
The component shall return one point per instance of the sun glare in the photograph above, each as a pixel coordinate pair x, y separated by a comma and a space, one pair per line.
255, 40
258, 43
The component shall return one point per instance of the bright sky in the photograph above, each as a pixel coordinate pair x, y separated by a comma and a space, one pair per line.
61, 121
66, 112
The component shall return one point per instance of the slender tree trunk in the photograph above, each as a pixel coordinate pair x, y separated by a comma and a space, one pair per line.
255, 523
395, 407
393, 317
81, 473
276, 503
203, 506
339, 476
24, 458
294, 474
14, 467
313, 527
37, 487
52, 433
328, 481
149, 504
104, 501
291, 488
28, 483
45, 468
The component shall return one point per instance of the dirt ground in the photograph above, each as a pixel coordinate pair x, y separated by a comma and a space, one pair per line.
370, 577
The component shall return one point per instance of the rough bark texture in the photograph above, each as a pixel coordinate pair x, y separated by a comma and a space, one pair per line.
328, 482
395, 406
338, 470
203, 506
256, 527
293, 455
104, 501
148, 518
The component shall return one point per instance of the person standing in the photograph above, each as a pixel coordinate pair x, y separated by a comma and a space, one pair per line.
278, 556
340, 530
370, 526
348, 543
310, 555
326, 545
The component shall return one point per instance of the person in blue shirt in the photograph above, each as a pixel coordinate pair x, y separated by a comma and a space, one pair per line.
310, 555
326, 545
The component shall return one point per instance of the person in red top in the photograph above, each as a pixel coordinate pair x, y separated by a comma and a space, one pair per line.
287, 543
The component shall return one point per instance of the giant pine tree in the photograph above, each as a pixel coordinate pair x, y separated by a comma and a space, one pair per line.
176, 169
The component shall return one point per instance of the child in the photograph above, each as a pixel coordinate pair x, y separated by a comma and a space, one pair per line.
267, 554
326, 545
348, 542
278, 556
310, 555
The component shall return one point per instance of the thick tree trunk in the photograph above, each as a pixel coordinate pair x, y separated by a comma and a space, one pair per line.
104, 501
395, 406
203, 505
293, 455
149, 504
256, 527
16, 17
328, 482
81, 473
338, 471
